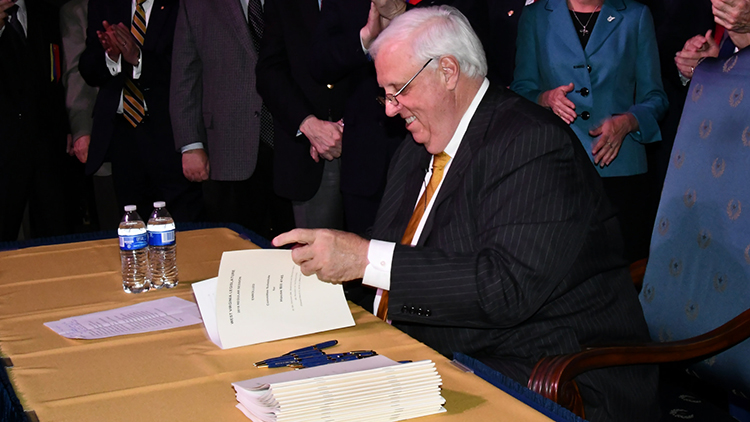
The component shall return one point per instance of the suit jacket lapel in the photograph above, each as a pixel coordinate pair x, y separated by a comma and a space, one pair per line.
34, 41
609, 19
471, 142
159, 13
235, 16
401, 194
124, 12
311, 12
561, 27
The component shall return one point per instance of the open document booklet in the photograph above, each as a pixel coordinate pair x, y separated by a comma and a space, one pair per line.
372, 389
261, 295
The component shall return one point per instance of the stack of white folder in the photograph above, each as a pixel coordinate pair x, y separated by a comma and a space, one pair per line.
371, 389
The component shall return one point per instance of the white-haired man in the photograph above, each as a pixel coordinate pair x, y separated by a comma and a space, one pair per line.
493, 237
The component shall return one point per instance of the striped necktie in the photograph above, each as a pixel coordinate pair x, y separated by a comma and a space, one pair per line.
438, 168
133, 106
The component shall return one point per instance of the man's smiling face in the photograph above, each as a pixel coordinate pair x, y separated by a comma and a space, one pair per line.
424, 104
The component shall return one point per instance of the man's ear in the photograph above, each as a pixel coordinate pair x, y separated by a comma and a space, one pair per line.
450, 71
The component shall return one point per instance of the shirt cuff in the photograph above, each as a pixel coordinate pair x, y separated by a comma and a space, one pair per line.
683, 79
114, 66
190, 147
137, 68
366, 51
378, 270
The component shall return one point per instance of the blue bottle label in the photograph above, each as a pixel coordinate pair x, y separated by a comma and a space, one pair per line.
166, 238
133, 243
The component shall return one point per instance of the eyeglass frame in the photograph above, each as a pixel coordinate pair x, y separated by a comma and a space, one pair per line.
391, 98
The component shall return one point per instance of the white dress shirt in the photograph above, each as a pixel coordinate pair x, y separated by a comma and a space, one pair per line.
115, 67
22, 17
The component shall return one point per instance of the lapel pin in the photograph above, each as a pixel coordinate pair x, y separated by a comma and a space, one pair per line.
510, 13
610, 19
162, 8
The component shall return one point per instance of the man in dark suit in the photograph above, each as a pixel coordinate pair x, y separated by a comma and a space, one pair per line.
507, 248
370, 137
307, 114
130, 62
33, 123
217, 115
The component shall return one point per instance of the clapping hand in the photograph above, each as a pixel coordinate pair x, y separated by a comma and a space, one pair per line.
611, 134
4, 6
733, 15
695, 50
556, 99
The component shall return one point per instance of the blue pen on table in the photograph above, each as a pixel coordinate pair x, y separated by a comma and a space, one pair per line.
318, 361
319, 346
332, 358
287, 359
315, 349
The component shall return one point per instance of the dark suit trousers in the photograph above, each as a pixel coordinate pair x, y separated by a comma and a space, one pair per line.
630, 195
146, 168
252, 202
38, 178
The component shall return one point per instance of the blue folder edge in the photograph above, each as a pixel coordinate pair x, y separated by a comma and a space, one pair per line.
110, 234
544, 406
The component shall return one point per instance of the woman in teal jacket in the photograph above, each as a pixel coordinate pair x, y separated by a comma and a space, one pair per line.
595, 64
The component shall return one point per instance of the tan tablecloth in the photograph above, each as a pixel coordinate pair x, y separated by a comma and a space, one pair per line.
174, 375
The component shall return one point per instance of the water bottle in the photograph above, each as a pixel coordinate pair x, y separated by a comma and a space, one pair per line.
162, 252
133, 252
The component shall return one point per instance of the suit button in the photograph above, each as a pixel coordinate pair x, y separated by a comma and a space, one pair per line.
412, 310
329, 86
585, 115
427, 312
588, 67
404, 309
419, 311
257, 114
20, 116
584, 92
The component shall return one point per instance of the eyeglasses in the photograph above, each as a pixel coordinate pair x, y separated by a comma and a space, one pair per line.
391, 98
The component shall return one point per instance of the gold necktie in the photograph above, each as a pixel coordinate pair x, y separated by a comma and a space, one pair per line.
133, 105
438, 167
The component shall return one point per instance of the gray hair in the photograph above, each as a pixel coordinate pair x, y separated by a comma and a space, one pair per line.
435, 32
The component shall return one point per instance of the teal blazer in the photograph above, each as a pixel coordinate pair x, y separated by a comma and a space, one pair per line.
618, 72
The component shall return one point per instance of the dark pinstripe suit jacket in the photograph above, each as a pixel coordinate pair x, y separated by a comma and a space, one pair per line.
520, 257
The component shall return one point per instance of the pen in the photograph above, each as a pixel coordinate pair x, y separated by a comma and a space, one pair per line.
323, 360
336, 357
319, 346
286, 359
315, 349
277, 364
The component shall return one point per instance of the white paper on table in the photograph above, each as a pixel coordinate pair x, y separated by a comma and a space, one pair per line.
262, 383
155, 315
374, 388
261, 295
205, 295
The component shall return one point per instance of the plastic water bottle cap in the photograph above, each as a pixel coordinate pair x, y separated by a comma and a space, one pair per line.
160, 204
129, 208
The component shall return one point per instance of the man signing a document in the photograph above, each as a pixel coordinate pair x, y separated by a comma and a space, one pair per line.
493, 238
